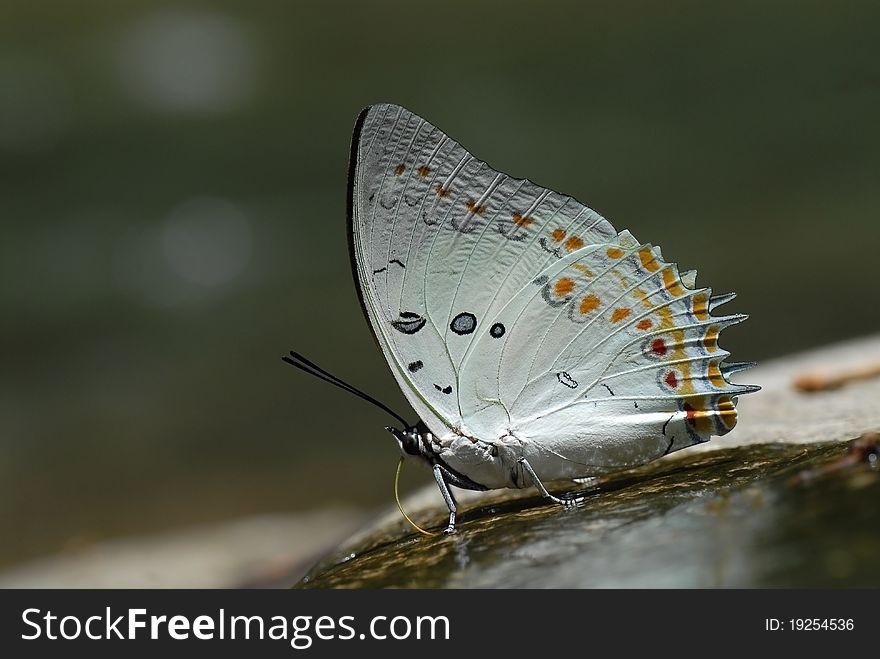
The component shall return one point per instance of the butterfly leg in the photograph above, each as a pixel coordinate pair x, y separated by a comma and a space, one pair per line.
447, 497
543, 490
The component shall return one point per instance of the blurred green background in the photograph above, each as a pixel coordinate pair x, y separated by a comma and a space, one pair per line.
172, 198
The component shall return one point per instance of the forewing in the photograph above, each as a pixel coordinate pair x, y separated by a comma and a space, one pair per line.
441, 240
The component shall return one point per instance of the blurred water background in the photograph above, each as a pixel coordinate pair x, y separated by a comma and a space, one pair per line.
172, 200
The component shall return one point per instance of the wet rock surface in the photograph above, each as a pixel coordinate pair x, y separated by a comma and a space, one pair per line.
734, 518
783, 500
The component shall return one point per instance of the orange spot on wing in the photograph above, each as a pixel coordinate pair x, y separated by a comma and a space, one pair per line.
700, 420
644, 298
563, 286
715, 376
677, 346
400, 169
624, 281
573, 243
614, 252
708, 417
666, 321
727, 412
649, 261
558, 234
672, 283
711, 338
441, 191
589, 303
671, 379
701, 306
580, 267
521, 221
423, 171
474, 208
645, 324
619, 314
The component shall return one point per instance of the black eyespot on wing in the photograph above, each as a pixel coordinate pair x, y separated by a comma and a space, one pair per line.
567, 380
446, 390
408, 323
415, 366
497, 331
463, 323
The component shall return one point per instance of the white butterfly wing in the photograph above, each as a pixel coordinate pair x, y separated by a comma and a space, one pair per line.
382, 229
439, 237
505, 308
612, 360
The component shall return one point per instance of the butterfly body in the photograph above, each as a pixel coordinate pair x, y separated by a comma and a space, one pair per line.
497, 463
534, 340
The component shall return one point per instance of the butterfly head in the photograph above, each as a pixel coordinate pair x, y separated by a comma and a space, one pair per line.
409, 439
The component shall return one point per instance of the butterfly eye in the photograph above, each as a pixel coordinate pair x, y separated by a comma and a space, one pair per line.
410, 443
408, 440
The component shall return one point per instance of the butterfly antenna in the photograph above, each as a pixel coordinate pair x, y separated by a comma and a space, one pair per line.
303, 364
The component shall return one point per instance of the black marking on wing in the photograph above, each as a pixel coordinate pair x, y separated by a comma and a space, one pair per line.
497, 331
384, 268
446, 390
511, 234
547, 294
463, 323
565, 379
415, 366
608, 388
669, 448
408, 323
547, 248
667, 423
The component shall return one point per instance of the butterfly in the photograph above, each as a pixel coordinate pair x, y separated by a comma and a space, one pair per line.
535, 342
